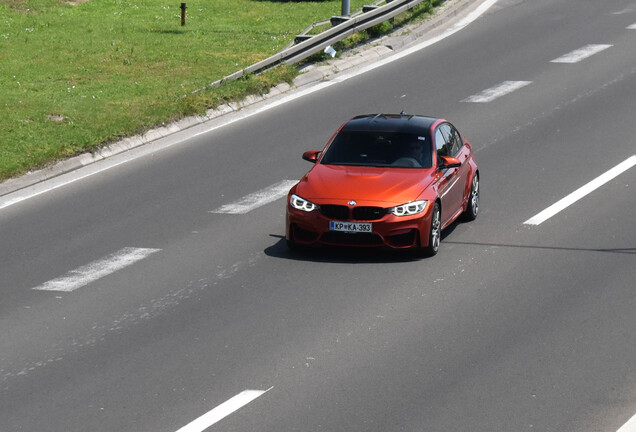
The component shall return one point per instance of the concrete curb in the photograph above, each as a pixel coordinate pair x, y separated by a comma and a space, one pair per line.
370, 52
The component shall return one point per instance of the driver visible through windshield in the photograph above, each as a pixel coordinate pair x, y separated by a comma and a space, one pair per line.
380, 149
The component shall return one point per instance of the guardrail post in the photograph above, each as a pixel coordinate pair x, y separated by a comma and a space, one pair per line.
345, 8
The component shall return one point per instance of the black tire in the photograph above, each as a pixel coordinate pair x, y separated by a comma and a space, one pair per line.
291, 245
434, 232
473, 200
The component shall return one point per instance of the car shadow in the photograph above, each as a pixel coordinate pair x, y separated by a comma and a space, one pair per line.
347, 254
339, 255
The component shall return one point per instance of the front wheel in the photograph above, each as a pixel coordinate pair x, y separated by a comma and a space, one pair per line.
434, 232
473, 200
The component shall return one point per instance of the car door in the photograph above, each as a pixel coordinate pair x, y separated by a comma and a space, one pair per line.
450, 186
463, 153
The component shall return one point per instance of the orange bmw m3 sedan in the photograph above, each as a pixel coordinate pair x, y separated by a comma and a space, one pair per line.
393, 180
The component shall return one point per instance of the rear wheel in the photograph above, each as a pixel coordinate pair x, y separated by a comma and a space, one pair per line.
473, 200
434, 233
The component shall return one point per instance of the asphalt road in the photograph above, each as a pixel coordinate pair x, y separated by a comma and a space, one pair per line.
175, 309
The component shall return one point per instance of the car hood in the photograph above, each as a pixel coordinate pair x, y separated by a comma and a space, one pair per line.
337, 183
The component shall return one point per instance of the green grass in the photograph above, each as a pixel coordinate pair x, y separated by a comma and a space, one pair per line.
74, 77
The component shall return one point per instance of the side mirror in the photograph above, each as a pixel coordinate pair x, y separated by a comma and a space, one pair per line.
311, 156
448, 162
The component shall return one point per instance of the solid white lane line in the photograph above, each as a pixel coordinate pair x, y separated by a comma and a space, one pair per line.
632, 27
222, 411
630, 426
60, 181
582, 192
497, 91
97, 269
257, 199
581, 54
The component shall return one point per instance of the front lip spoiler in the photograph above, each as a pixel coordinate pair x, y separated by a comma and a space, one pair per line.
403, 238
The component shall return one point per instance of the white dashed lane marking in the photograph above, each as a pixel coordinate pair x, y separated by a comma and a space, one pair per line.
257, 199
582, 192
222, 411
96, 270
497, 91
630, 426
581, 54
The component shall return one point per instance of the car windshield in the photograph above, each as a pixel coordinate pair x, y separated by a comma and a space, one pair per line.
380, 149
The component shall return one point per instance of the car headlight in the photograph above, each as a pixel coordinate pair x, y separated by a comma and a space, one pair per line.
408, 209
302, 204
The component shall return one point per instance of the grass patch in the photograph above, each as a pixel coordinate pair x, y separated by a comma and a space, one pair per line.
76, 75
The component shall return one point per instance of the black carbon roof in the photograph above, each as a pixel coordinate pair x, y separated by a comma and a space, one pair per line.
390, 123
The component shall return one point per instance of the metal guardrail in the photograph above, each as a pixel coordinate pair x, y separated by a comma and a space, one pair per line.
342, 27
304, 35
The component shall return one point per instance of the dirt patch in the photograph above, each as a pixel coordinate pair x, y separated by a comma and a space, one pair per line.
56, 118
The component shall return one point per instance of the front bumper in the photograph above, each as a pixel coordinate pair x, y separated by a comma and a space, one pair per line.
390, 230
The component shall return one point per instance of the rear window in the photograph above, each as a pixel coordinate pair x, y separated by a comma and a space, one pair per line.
380, 149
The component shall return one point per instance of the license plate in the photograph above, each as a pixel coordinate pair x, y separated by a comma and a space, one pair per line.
350, 227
